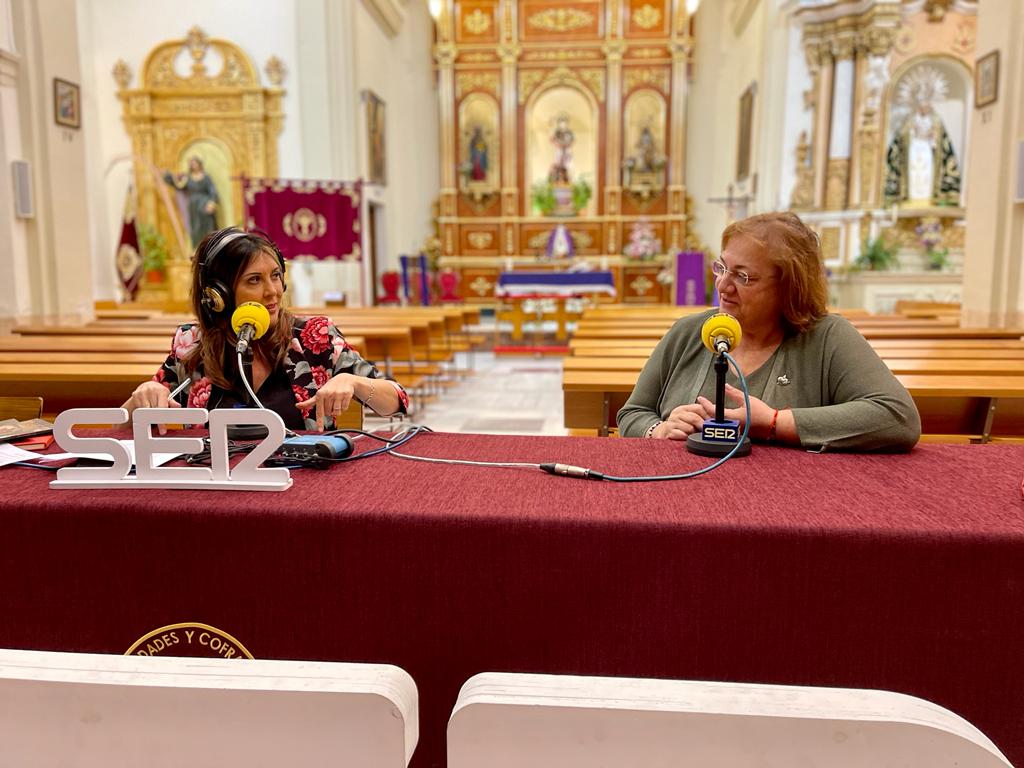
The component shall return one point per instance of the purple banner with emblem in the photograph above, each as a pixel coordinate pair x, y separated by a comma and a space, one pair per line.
691, 289
307, 219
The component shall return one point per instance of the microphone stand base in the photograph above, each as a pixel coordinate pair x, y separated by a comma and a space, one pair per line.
696, 443
247, 432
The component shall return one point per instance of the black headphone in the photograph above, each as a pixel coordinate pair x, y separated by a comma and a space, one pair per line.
217, 297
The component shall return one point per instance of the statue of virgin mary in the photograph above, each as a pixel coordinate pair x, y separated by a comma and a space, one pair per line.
921, 165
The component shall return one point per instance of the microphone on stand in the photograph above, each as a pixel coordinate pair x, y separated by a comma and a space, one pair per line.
249, 321
719, 436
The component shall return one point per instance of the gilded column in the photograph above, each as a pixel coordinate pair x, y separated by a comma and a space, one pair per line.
444, 58
614, 50
819, 62
876, 42
837, 179
509, 52
680, 47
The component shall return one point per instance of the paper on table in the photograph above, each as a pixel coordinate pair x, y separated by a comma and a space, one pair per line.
158, 458
9, 454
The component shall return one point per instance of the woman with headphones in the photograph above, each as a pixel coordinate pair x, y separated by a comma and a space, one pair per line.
302, 368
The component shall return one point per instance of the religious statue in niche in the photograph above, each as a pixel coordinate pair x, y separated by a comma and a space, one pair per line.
197, 199
562, 139
477, 177
643, 169
921, 165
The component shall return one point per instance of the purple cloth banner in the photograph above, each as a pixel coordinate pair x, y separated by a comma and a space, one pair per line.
307, 219
690, 286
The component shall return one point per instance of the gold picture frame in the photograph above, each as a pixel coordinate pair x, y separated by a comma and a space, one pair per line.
67, 104
986, 80
376, 145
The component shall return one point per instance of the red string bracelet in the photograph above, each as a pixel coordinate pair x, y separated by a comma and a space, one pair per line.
771, 429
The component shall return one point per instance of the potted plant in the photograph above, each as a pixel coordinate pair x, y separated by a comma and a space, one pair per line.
542, 197
875, 256
929, 234
153, 247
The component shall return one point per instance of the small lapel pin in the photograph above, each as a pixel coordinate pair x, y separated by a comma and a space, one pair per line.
783, 380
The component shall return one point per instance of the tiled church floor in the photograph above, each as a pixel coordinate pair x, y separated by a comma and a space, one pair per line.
504, 395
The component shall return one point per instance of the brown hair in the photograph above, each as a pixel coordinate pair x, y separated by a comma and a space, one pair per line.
217, 340
794, 249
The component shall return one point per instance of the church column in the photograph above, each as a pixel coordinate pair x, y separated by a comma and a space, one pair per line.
837, 174
509, 52
681, 46
444, 58
993, 287
819, 62
15, 291
875, 41
613, 146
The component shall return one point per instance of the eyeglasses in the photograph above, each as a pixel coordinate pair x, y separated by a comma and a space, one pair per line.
720, 270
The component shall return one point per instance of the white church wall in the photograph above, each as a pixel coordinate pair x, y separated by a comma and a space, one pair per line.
727, 61
112, 30
796, 117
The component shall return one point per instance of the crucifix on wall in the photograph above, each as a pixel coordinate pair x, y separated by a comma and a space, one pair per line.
735, 206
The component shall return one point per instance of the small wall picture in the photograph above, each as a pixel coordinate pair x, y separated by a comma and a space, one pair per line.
67, 104
986, 80
745, 131
376, 159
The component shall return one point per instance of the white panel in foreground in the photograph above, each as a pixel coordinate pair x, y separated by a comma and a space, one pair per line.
551, 721
98, 711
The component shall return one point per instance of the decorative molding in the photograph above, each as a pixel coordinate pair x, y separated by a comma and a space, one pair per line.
594, 79
560, 19
648, 53
478, 58
647, 16
476, 23
837, 180
481, 286
275, 70
635, 76
562, 55
387, 14
477, 81
480, 240
803, 191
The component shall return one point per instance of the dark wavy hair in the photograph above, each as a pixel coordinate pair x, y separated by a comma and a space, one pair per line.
795, 250
217, 340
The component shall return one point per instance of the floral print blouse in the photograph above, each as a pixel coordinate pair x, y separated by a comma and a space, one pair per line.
318, 351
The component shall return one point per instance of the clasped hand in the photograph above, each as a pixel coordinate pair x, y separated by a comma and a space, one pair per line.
687, 419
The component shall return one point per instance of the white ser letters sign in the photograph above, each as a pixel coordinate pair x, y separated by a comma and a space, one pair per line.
246, 476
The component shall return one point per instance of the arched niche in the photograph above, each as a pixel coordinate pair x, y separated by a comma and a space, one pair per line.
951, 82
479, 148
199, 95
543, 112
645, 115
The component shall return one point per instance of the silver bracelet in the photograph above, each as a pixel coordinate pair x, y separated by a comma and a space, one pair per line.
650, 429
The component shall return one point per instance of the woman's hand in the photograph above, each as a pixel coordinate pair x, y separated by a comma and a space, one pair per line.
760, 412
682, 422
333, 398
151, 394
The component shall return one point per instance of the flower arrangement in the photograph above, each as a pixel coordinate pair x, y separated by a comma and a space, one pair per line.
545, 199
153, 247
875, 255
642, 242
929, 235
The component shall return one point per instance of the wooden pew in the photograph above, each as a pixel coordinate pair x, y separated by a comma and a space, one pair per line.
980, 406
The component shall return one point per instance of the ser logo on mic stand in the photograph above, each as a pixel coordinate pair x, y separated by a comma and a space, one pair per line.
719, 436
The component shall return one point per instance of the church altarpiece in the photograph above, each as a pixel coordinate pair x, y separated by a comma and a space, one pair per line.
561, 112
889, 105
198, 98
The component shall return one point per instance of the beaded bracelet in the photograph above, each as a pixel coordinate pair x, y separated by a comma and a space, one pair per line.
650, 429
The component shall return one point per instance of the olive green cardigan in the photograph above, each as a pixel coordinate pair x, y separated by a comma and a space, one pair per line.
842, 395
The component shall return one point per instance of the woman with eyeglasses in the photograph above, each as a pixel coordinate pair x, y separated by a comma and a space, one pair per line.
813, 380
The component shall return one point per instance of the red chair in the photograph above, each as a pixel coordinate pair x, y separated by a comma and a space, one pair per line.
448, 282
390, 282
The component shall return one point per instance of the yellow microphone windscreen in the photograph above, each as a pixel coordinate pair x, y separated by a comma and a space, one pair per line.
718, 326
252, 313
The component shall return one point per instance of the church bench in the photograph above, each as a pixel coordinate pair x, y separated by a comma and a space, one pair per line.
982, 405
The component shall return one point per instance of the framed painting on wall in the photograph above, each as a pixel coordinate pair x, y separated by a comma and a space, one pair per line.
746, 132
986, 80
67, 104
375, 139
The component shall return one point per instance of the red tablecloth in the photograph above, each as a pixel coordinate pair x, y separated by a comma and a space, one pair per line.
903, 573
